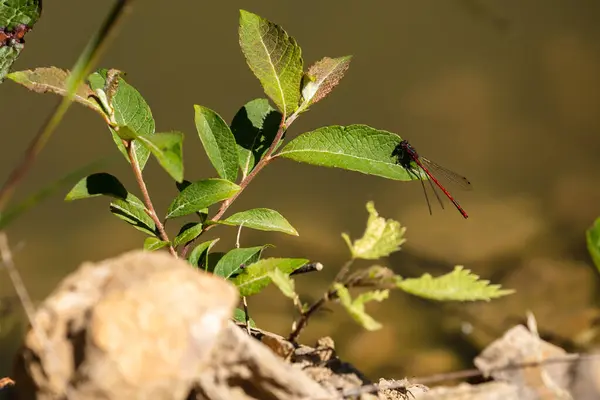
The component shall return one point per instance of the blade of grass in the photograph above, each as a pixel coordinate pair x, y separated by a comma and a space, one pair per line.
86, 61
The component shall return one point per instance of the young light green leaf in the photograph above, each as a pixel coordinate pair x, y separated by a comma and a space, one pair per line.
218, 141
458, 285
284, 283
254, 126
381, 238
263, 219
131, 110
240, 316
188, 233
199, 256
356, 307
133, 211
275, 58
200, 195
154, 243
356, 148
97, 185
254, 278
53, 80
322, 77
167, 147
235, 260
8, 55
592, 236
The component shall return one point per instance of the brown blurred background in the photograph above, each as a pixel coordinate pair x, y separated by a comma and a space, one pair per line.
504, 92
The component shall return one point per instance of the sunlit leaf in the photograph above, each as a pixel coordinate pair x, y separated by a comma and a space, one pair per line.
236, 260
458, 285
356, 307
240, 316
263, 219
199, 195
17, 17
274, 57
198, 256
283, 282
218, 141
356, 148
254, 126
133, 211
188, 233
96, 185
167, 147
381, 238
254, 278
154, 243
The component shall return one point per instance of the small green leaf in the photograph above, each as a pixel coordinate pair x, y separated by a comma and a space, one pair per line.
188, 233
133, 211
218, 142
593, 243
154, 243
235, 261
198, 256
97, 185
458, 285
322, 77
275, 58
167, 147
356, 307
381, 238
17, 17
53, 80
240, 316
254, 278
263, 219
356, 148
200, 195
284, 283
131, 110
254, 126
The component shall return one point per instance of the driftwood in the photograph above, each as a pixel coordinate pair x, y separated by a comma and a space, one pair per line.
147, 326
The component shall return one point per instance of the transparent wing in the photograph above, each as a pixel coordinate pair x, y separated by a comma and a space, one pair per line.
443, 173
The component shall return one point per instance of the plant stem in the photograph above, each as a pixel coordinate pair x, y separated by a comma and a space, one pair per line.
283, 126
137, 171
301, 323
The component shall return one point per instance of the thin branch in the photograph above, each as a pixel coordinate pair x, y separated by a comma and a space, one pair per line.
303, 320
137, 171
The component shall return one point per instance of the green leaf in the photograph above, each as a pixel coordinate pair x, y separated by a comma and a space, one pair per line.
218, 142
381, 238
284, 283
254, 278
254, 126
235, 261
356, 148
322, 77
168, 149
17, 17
458, 285
593, 243
97, 185
188, 233
263, 219
200, 195
240, 316
199, 255
275, 58
154, 243
133, 211
356, 307
53, 80
131, 110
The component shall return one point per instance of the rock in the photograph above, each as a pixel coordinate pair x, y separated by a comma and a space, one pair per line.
142, 325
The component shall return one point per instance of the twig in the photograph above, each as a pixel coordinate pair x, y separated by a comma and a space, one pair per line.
303, 320
83, 66
137, 171
308, 267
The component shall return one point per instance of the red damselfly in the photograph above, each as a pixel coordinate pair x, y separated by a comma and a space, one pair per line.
406, 154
